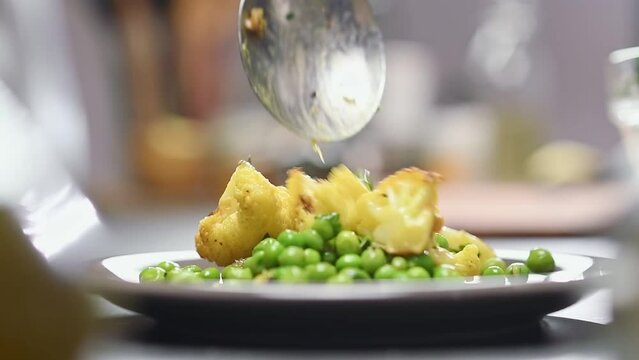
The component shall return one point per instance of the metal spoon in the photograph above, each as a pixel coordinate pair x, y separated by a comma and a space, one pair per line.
318, 66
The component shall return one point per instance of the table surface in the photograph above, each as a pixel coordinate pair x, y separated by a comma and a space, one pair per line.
580, 331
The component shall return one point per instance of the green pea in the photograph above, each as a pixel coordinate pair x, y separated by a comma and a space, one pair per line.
324, 228
290, 238
264, 276
291, 256
168, 265
540, 260
329, 257
312, 239
445, 271
517, 269
172, 274
401, 276
441, 240
340, 279
331, 245
417, 272
399, 263
355, 273
348, 260
290, 274
261, 246
385, 272
311, 256
271, 253
364, 242
233, 272
373, 259
424, 261
347, 242
493, 270
320, 271
210, 273
333, 219
495, 261
192, 268
183, 277
255, 262
152, 274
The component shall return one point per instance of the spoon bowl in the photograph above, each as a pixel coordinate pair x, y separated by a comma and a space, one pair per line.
318, 66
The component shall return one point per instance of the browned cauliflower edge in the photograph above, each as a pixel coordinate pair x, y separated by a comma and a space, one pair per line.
249, 209
400, 215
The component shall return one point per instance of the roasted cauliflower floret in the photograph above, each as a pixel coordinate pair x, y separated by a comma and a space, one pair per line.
401, 212
301, 190
249, 209
457, 239
338, 193
465, 261
400, 215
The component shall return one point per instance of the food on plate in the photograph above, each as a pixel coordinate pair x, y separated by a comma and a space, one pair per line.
400, 214
540, 260
255, 22
493, 270
250, 208
336, 230
517, 268
152, 274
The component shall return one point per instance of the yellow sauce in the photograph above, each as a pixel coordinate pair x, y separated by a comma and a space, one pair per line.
317, 150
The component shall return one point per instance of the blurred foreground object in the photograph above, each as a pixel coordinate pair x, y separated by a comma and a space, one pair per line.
626, 292
623, 103
42, 318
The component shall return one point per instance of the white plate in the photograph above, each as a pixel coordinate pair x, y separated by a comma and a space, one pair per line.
355, 312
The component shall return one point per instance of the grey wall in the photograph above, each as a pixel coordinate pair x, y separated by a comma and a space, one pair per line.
575, 37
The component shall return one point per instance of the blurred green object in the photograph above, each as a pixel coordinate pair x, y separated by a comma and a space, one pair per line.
540, 261
152, 274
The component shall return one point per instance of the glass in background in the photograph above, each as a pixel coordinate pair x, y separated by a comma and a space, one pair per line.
623, 101
623, 83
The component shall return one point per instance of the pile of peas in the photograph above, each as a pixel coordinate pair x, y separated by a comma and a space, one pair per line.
327, 253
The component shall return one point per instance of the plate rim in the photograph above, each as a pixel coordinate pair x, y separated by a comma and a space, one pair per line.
100, 280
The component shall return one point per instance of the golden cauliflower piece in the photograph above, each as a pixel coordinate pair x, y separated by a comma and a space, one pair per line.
465, 261
338, 193
457, 239
401, 213
301, 190
249, 209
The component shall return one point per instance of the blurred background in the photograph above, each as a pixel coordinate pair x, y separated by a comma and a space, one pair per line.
146, 106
